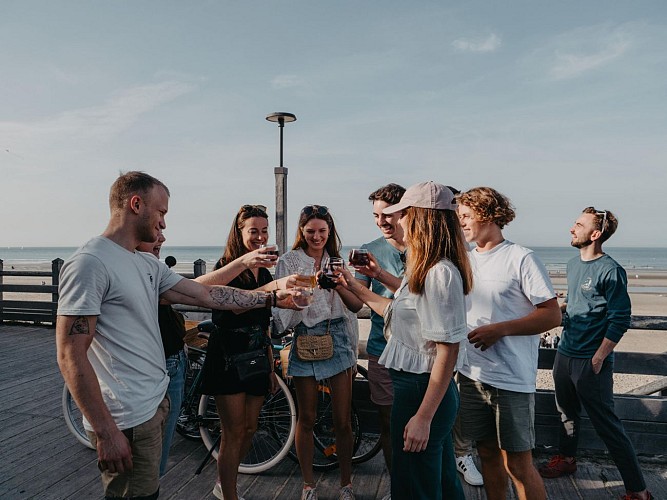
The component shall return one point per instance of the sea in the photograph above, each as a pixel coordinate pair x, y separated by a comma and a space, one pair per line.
555, 258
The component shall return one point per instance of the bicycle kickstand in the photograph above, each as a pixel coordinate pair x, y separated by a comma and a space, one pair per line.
204, 462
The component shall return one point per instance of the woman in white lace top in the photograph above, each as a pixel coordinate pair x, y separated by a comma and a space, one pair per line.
332, 311
424, 324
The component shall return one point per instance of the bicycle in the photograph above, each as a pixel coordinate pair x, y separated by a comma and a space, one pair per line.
272, 441
276, 426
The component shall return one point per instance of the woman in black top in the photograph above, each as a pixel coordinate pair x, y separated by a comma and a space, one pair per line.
239, 403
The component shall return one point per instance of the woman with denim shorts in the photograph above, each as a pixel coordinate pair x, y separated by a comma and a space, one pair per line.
424, 323
330, 310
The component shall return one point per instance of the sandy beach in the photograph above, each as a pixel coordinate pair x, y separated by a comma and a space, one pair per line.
645, 302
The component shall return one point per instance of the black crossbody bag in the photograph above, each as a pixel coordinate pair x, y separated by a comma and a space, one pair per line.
250, 364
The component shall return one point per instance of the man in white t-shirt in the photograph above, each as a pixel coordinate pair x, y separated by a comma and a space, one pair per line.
511, 304
108, 340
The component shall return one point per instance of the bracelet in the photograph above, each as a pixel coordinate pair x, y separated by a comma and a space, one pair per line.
274, 293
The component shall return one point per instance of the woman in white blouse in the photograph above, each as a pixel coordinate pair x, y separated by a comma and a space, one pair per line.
316, 239
424, 323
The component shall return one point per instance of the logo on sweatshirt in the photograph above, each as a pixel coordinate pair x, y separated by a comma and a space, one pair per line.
587, 284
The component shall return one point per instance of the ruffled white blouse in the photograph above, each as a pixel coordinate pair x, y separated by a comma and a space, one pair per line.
415, 323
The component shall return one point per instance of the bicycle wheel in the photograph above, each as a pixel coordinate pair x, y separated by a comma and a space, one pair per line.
366, 433
188, 424
369, 442
275, 430
74, 418
324, 435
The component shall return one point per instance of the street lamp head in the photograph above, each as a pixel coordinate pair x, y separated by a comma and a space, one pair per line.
281, 118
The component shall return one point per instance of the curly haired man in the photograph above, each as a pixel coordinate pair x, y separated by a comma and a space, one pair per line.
511, 304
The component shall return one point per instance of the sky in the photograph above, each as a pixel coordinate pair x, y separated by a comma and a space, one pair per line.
558, 105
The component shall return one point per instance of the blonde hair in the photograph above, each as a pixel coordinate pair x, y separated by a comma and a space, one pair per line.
433, 235
489, 205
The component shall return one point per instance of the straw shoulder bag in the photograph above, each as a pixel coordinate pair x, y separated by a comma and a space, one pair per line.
315, 347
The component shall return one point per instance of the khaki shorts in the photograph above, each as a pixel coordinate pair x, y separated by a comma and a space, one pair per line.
379, 383
488, 413
144, 478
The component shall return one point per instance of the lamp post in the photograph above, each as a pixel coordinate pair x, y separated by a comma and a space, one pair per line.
281, 182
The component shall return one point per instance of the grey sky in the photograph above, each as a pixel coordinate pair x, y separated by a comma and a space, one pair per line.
559, 105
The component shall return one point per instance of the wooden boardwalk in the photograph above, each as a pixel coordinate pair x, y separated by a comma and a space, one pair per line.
40, 459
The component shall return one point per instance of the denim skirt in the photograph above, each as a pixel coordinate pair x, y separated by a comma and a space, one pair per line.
344, 355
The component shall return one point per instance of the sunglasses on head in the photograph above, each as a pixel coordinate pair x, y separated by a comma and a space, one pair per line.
251, 208
603, 213
314, 209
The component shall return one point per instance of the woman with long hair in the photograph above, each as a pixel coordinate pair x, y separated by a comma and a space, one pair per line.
424, 322
331, 311
243, 265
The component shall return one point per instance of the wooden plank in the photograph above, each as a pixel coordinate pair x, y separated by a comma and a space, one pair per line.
638, 408
29, 304
648, 322
42, 460
638, 363
650, 388
47, 274
29, 288
26, 316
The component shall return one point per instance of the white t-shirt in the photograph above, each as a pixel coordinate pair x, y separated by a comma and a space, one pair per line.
508, 281
414, 323
122, 289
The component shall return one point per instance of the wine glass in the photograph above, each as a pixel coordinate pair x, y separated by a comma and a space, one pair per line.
270, 249
359, 257
333, 266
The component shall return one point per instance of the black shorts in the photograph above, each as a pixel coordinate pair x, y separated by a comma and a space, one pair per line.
220, 379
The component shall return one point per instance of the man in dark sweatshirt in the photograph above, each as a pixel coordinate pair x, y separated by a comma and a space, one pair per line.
596, 315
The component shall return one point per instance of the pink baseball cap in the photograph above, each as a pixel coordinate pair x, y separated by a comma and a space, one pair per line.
425, 195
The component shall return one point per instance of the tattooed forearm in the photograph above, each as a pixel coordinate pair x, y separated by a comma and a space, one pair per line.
80, 326
243, 299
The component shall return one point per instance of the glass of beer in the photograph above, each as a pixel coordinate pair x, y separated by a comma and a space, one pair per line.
306, 276
359, 257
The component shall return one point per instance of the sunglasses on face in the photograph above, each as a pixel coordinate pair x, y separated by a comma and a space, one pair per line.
314, 209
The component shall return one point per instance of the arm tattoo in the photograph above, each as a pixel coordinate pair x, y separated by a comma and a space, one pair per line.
80, 326
243, 299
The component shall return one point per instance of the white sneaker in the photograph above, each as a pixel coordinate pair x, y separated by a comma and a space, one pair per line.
309, 494
466, 466
217, 492
346, 493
